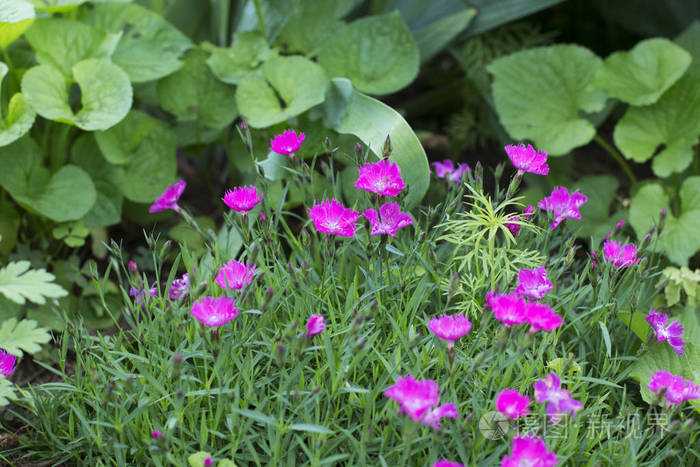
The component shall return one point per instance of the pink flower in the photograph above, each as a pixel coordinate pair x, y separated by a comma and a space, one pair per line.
620, 255
332, 217
541, 317
382, 177
450, 328
214, 311
168, 200
563, 204
286, 143
417, 399
529, 451
156, 434
392, 219
133, 268
433, 417
512, 404
208, 461
242, 199
7, 363
315, 325
533, 283
234, 275
134, 292
180, 287
515, 228
447, 170
528, 159
677, 388
446, 463
673, 333
508, 309
559, 400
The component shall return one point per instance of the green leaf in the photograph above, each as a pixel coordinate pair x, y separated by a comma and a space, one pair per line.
19, 284
309, 26
377, 53
194, 94
23, 335
600, 190
149, 48
7, 392
145, 147
668, 129
642, 75
371, 121
226, 463
493, 14
539, 93
15, 17
197, 459
190, 238
9, 226
679, 238
108, 179
62, 43
20, 116
63, 196
434, 37
105, 88
284, 88
309, 428
660, 356
232, 64
57, 6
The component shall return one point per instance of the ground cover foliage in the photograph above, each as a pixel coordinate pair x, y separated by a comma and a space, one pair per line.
264, 389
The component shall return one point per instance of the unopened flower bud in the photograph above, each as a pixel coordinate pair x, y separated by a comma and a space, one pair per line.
662, 219
453, 284
387, 147
133, 269
316, 390
155, 434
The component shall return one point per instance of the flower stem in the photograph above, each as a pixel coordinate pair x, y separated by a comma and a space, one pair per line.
617, 156
261, 21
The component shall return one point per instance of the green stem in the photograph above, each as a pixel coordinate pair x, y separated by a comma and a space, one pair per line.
261, 21
617, 156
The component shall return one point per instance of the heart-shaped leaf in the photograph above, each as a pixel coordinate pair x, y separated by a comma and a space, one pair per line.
377, 53
668, 129
105, 94
642, 75
232, 64
62, 43
15, 17
145, 147
150, 47
20, 116
539, 94
284, 88
63, 196
194, 94
679, 238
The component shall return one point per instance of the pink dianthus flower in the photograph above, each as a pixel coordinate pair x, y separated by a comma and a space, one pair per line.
447, 170
286, 143
533, 283
417, 399
541, 317
450, 327
214, 311
7, 363
382, 177
673, 333
529, 451
677, 388
515, 228
169, 198
528, 159
446, 463
389, 220
559, 400
332, 217
508, 309
512, 404
620, 255
315, 325
563, 204
234, 275
242, 199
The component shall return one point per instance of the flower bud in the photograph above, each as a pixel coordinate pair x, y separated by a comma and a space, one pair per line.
662, 219
387, 147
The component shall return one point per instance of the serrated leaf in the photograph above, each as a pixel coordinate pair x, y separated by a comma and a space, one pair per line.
540, 93
150, 47
24, 335
284, 88
679, 238
642, 75
19, 284
377, 53
7, 392
20, 116
16, 16
105, 94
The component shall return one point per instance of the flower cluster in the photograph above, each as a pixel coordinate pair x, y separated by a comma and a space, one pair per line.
677, 389
418, 400
514, 310
559, 400
447, 170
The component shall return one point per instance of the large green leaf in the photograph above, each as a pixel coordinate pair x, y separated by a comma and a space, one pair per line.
62, 43
660, 356
642, 75
679, 239
377, 53
15, 17
19, 284
284, 88
6, 391
232, 64
309, 26
23, 335
105, 94
57, 6
150, 47
372, 121
145, 147
20, 116
108, 180
668, 129
63, 196
539, 94
194, 94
